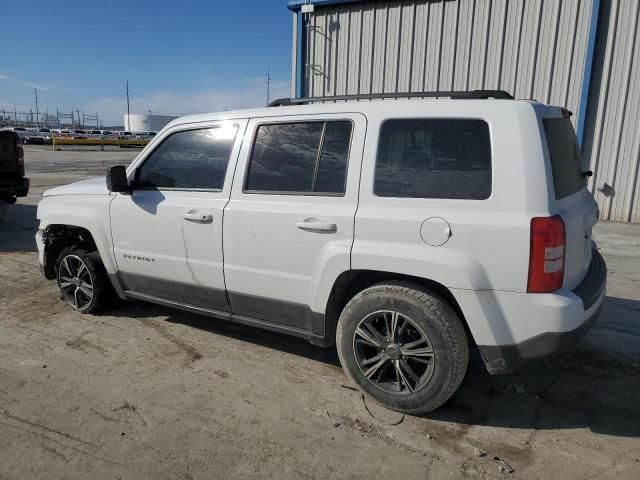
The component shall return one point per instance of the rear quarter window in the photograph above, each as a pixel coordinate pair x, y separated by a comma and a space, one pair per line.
564, 155
434, 158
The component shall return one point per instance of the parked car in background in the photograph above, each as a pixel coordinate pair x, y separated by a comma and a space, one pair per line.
402, 231
13, 184
21, 133
61, 132
37, 138
144, 135
79, 134
125, 135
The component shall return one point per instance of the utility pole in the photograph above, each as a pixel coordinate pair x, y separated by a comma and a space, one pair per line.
268, 82
35, 92
128, 112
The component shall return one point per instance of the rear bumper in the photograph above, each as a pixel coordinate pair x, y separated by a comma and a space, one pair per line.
507, 358
15, 189
578, 310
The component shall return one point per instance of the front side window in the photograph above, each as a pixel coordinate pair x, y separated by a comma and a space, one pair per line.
302, 157
192, 159
434, 158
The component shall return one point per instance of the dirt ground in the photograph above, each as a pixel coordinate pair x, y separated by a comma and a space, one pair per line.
147, 392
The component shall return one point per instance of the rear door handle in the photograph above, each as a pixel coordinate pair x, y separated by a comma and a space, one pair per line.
314, 225
198, 217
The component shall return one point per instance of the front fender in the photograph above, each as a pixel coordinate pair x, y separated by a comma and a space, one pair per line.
90, 212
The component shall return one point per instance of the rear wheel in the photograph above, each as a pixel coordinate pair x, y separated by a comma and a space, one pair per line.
403, 346
82, 280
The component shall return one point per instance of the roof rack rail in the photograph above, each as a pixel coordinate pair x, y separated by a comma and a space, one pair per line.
464, 94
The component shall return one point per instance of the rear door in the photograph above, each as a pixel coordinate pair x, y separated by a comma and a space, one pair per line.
573, 201
288, 228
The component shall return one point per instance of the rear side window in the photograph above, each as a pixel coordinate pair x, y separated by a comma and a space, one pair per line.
564, 153
302, 157
434, 158
193, 159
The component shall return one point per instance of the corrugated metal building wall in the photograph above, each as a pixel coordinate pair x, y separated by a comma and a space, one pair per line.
612, 133
532, 49
540, 49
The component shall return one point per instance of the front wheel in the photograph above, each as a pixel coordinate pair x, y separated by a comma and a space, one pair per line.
403, 346
82, 280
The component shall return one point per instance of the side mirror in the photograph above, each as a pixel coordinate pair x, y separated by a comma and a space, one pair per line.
117, 179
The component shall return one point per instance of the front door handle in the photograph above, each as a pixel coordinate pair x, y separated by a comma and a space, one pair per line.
315, 225
198, 217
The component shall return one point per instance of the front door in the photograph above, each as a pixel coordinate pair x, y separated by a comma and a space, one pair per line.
167, 233
288, 228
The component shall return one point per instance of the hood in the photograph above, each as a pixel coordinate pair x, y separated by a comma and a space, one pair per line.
94, 186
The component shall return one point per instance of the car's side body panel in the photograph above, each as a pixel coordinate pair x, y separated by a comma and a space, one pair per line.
272, 264
161, 246
278, 276
488, 246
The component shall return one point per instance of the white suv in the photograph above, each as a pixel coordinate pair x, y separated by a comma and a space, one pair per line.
402, 231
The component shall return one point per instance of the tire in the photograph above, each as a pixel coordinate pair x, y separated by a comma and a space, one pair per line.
426, 357
76, 282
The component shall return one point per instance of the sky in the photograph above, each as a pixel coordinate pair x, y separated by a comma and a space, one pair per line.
179, 57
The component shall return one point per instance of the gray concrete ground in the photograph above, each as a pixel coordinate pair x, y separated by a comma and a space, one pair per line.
146, 392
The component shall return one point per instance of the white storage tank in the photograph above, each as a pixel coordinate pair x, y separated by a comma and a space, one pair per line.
146, 123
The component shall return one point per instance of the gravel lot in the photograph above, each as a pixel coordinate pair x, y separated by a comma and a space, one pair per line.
146, 392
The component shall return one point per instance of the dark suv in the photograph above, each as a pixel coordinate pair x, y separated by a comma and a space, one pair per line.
12, 181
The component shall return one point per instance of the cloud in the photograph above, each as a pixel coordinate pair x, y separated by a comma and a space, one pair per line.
4, 77
44, 88
249, 93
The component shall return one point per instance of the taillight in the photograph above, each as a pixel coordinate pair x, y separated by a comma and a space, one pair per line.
19, 153
546, 260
